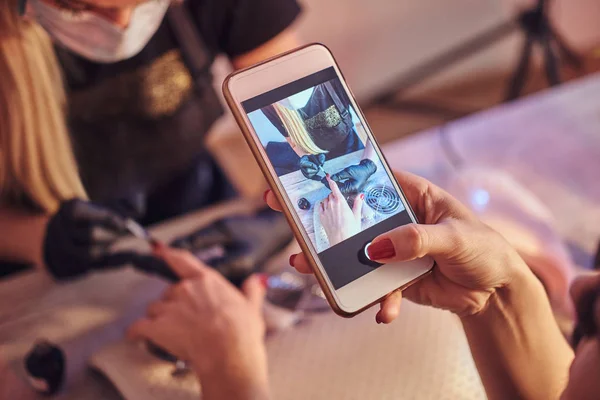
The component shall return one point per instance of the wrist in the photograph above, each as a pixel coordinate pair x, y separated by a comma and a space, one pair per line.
335, 239
225, 384
241, 375
521, 291
516, 343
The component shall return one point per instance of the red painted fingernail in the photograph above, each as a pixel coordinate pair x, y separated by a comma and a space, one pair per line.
264, 280
292, 259
265, 195
377, 319
328, 176
362, 196
381, 250
157, 245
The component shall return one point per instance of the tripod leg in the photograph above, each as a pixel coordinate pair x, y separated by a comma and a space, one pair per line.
518, 80
439, 63
565, 50
550, 61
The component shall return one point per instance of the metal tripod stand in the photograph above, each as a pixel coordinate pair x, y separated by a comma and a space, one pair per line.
537, 27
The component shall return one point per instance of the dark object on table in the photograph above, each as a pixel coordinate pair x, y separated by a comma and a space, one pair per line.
353, 179
160, 353
155, 266
45, 365
239, 246
8, 268
304, 204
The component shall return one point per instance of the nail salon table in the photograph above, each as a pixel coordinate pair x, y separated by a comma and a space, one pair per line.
550, 143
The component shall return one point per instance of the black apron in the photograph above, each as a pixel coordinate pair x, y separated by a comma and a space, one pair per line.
128, 140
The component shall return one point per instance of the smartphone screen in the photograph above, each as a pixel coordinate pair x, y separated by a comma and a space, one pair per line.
313, 136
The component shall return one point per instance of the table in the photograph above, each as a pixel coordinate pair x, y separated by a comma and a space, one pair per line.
549, 142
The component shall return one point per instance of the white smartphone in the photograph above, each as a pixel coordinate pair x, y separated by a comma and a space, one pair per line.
302, 122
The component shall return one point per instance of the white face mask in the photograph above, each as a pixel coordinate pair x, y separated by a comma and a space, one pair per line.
97, 39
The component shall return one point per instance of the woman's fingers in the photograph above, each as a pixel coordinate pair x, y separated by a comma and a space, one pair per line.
389, 308
335, 190
430, 202
142, 329
331, 200
255, 291
414, 241
182, 262
301, 264
357, 207
272, 201
170, 293
157, 309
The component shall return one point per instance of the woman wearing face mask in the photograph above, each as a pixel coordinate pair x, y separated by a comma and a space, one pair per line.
139, 101
45, 218
140, 92
517, 346
323, 126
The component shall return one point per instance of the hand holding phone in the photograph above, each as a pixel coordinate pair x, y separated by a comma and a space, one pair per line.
316, 150
473, 261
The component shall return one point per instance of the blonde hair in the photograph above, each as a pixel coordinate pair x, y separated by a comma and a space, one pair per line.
37, 165
296, 129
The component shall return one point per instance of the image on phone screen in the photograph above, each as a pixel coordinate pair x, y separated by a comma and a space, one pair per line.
329, 170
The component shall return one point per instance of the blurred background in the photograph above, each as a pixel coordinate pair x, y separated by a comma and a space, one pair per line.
382, 47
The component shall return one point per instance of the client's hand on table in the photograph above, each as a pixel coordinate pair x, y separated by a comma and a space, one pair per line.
473, 261
79, 237
339, 221
217, 328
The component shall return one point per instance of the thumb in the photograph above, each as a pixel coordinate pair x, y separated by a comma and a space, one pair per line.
358, 205
413, 241
255, 291
142, 329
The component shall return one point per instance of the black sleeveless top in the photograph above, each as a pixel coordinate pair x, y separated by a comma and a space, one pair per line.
326, 115
328, 120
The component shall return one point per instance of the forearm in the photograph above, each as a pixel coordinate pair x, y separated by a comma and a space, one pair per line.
285, 41
22, 235
517, 345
